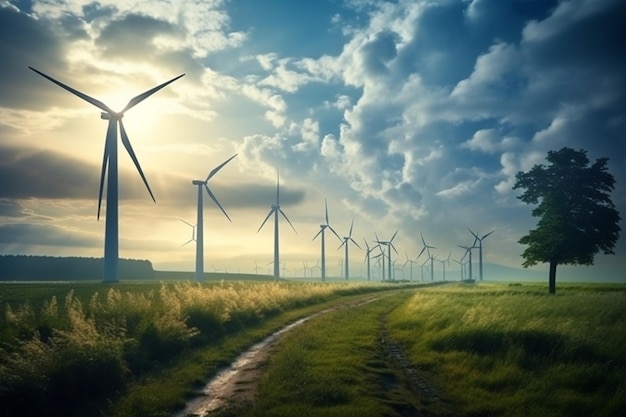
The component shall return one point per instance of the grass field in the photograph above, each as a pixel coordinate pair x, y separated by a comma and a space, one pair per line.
71, 349
503, 350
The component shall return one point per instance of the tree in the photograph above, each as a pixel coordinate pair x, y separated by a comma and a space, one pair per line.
577, 217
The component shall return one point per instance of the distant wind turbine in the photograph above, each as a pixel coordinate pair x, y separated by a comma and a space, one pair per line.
443, 263
411, 261
480, 251
468, 250
346, 242
200, 223
275, 209
427, 248
323, 227
193, 232
367, 258
111, 228
389, 244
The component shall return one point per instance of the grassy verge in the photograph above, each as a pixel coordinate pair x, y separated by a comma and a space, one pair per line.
515, 351
332, 366
138, 346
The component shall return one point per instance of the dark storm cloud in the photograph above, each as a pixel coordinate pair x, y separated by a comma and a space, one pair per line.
133, 34
44, 235
30, 173
25, 42
10, 208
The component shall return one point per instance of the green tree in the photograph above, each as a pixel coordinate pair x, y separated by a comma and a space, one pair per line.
577, 217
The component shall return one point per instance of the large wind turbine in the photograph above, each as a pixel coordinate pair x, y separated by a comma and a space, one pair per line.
322, 229
389, 244
109, 162
346, 242
275, 210
200, 222
480, 251
427, 248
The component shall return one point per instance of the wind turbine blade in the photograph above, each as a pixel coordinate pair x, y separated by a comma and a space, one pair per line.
287, 218
216, 202
141, 97
393, 247
351, 225
422, 251
423, 241
326, 205
278, 188
342, 243
318, 233
268, 216
85, 97
487, 235
333, 230
354, 241
215, 170
189, 241
366, 245
473, 234
392, 237
129, 149
105, 163
188, 224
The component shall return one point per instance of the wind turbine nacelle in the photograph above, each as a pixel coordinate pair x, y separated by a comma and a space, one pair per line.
108, 116
197, 182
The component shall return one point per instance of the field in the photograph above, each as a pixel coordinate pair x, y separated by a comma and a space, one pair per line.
486, 350
73, 348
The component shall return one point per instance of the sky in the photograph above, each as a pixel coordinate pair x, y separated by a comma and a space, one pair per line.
410, 116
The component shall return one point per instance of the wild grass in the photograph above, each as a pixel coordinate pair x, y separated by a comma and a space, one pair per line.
516, 351
329, 367
73, 355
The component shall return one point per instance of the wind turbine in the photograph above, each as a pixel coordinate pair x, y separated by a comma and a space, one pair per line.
443, 263
200, 222
461, 265
275, 210
111, 228
321, 232
389, 244
468, 250
411, 261
345, 242
367, 257
480, 251
427, 248
193, 232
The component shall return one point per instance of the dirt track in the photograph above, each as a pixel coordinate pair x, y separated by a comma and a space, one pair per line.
237, 384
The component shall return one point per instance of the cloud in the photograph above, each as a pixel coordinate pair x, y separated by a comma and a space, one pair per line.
24, 235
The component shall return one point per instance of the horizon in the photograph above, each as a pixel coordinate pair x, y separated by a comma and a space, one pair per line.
406, 116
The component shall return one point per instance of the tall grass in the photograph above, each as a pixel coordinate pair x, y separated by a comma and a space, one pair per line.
61, 358
515, 351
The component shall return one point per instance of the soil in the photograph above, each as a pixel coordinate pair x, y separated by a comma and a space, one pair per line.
409, 389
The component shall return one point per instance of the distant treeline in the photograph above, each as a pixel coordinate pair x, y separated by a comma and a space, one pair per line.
45, 268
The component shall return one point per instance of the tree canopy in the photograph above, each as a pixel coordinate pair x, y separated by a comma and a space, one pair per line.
577, 217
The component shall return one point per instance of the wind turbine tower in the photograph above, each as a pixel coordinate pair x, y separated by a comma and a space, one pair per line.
480, 251
323, 228
109, 162
346, 242
275, 210
200, 222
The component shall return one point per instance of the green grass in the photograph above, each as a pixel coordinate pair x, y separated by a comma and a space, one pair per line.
516, 351
332, 366
73, 349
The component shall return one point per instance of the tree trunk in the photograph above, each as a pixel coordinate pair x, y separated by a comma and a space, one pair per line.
552, 278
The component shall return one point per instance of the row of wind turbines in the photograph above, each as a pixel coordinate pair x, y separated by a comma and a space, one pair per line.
110, 171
